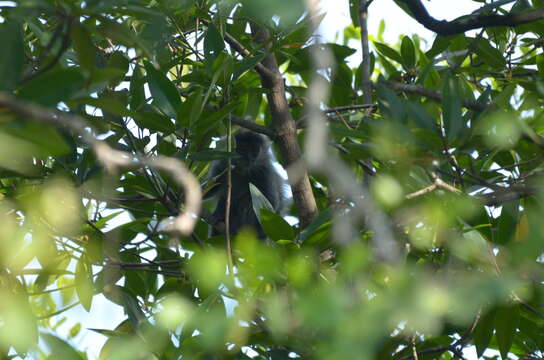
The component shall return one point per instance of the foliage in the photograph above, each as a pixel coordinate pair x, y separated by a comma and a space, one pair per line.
457, 175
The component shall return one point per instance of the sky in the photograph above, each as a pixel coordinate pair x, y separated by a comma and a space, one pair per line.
338, 17
106, 315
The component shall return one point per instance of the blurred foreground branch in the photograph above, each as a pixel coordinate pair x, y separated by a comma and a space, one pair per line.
113, 159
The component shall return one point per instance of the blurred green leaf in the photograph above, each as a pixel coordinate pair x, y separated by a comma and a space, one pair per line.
60, 349
84, 47
67, 83
83, 280
506, 322
483, 332
12, 58
451, 107
213, 45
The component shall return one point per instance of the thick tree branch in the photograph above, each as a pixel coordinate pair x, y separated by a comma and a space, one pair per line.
285, 130
471, 22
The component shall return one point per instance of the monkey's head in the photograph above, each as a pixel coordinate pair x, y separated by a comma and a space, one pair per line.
252, 147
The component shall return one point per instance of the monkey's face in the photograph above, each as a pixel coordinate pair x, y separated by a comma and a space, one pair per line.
251, 147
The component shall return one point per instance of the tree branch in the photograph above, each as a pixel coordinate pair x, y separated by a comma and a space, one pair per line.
285, 129
63, 47
471, 22
433, 94
366, 83
260, 68
438, 183
113, 159
250, 125
509, 194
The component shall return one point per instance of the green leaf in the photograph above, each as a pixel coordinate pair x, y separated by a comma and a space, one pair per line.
258, 200
117, 32
108, 104
389, 52
322, 220
489, 54
408, 52
451, 107
285, 12
189, 112
135, 282
506, 322
60, 349
46, 139
117, 60
84, 47
390, 104
132, 308
67, 83
418, 114
275, 226
246, 64
164, 92
213, 45
12, 57
83, 281
483, 332
137, 92
208, 122
507, 223
340, 52
155, 122
440, 44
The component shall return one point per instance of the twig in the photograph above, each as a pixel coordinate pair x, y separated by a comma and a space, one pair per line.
433, 94
366, 168
43, 317
349, 108
228, 246
239, 48
250, 125
438, 183
63, 47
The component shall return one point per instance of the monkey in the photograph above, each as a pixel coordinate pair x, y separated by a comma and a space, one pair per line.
254, 163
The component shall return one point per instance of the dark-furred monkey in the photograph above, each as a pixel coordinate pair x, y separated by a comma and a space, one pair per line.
254, 164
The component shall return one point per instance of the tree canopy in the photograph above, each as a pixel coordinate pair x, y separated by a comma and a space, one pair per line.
415, 229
